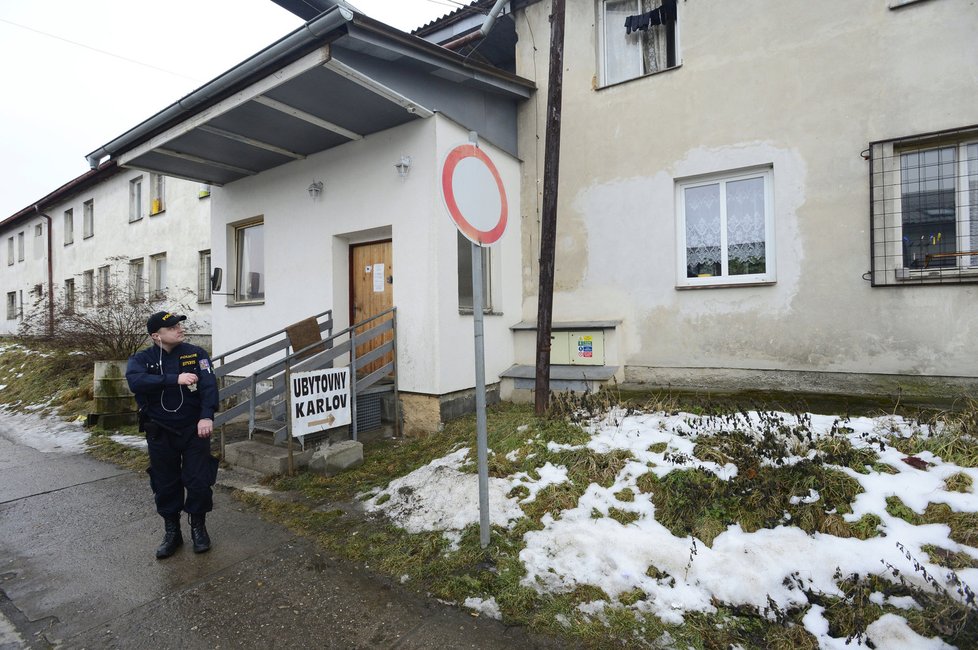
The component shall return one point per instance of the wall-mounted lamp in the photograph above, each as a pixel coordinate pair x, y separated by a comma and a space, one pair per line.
403, 166
315, 189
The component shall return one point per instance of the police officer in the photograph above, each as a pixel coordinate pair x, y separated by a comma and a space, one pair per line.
176, 393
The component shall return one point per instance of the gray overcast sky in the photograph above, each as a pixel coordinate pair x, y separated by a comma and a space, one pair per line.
77, 73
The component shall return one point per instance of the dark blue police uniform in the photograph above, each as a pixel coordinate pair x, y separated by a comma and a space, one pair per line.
179, 459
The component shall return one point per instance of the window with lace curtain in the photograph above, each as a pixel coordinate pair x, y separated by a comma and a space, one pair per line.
725, 229
637, 37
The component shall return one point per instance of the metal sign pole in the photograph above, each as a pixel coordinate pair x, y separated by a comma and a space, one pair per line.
288, 419
480, 395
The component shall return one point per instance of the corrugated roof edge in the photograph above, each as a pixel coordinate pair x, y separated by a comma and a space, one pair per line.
477, 6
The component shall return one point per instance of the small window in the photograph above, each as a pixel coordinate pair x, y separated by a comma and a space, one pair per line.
88, 227
88, 288
157, 276
726, 229
40, 246
10, 251
204, 277
69, 227
102, 290
636, 38
465, 297
135, 199
69, 306
157, 196
925, 209
20, 246
11, 305
204, 191
249, 247
137, 280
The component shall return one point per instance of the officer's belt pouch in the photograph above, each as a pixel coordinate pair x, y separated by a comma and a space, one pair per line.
212, 464
152, 430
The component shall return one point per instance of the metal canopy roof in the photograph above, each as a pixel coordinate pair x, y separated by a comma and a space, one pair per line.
315, 92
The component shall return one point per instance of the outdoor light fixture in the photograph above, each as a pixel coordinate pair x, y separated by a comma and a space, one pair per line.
403, 166
315, 189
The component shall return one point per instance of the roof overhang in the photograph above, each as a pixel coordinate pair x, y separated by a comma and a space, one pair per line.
337, 79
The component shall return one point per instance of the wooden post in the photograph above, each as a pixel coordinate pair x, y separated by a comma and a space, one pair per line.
548, 227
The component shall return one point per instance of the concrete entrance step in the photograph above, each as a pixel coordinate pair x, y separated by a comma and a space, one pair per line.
265, 458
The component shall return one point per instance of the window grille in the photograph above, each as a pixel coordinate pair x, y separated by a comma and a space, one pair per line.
924, 209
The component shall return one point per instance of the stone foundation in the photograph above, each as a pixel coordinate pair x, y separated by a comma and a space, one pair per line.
423, 414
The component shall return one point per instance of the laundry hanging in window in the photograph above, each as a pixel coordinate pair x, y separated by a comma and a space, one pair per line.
662, 15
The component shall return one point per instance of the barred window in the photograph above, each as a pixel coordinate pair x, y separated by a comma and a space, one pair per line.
925, 209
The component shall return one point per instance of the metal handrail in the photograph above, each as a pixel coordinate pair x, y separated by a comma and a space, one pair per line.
277, 369
223, 356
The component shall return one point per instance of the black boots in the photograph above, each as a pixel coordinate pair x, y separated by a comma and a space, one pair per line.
198, 533
172, 538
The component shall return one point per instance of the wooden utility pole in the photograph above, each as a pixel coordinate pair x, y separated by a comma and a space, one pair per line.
548, 227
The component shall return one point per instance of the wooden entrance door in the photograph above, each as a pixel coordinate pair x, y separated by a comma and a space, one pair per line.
371, 293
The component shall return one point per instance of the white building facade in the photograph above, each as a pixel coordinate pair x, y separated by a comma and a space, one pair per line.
146, 231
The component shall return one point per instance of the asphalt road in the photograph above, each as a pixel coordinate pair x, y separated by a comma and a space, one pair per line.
77, 570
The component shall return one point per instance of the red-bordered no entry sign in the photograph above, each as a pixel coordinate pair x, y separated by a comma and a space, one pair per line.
474, 194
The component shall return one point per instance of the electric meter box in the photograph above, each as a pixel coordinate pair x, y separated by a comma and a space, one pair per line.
577, 348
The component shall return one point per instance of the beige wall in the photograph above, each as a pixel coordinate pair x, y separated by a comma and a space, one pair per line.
801, 87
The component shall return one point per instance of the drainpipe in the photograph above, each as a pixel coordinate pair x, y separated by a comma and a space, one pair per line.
37, 209
480, 33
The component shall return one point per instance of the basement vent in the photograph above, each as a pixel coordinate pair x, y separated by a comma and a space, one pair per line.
368, 412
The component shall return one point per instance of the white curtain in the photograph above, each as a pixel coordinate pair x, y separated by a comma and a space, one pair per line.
627, 56
745, 225
702, 212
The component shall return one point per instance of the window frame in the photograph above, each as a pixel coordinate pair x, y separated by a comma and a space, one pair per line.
204, 261
464, 272
137, 279
157, 280
11, 305
237, 232
10, 251
88, 219
88, 288
602, 24
20, 246
69, 296
769, 276
69, 227
103, 280
136, 199
157, 194
888, 264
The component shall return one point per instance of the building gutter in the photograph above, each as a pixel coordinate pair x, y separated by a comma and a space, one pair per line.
37, 209
480, 33
306, 35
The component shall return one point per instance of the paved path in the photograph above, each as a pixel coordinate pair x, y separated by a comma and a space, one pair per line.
77, 571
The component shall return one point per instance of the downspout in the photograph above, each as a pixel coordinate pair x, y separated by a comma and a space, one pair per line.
37, 209
480, 33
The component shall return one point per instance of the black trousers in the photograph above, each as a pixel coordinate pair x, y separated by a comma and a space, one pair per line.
181, 469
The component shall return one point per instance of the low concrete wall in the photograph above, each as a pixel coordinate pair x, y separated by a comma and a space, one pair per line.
732, 380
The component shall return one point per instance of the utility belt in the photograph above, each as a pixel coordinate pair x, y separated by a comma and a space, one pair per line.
155, 430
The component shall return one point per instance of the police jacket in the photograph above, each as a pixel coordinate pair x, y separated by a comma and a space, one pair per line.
152, 375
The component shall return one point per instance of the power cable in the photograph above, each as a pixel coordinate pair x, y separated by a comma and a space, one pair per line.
95, 49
